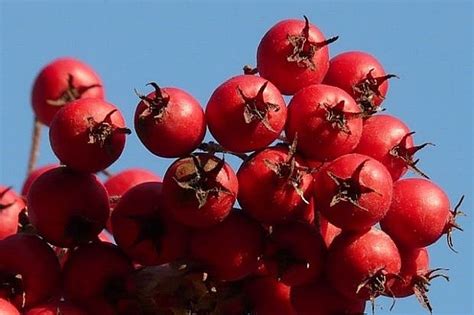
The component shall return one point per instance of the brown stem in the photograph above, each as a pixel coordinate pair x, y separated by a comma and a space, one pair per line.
106, 172
35, 145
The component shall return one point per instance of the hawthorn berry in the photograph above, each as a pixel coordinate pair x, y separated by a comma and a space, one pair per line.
60, 82
10, 207
293, 54
88, 135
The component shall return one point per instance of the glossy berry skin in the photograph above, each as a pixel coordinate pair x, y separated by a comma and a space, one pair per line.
268, 296
326, 121
328, 231
6, 308
144, 231
119, 183
34, 175
358, 257
380, 135
170, 122
10, 207
200, 190
319, 298
95, 276
68, 208
37, 266
353, 192
359, 74
419, 213
55, 308
230, 249
60, 82
88, 135
295, 253
267, 185
292, 55
246, 113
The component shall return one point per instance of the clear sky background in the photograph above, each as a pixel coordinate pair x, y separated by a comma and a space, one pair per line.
197, 45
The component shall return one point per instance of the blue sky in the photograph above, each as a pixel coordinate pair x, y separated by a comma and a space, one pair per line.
197, 45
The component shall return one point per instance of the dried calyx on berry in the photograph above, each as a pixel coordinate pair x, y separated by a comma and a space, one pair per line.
256, 108
290, 171
367, 89
406, 153
71, 93
202, 178
337, 117
102, 132
350, 189
156, 105
452, 225
304, 49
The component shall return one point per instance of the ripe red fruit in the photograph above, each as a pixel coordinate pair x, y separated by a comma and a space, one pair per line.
10, 207
121, 182
362, 76
388, 140
294, 253
415, 276
353, 192
29, 271
274, 184
144, 232
34, 175
200, 190
6, 308
55, 308
88, 135
169, 122
95, 276
229, 250
419, 214
60, 82
319, 298
267, 296
68, 208
246, 113
361, 265
293, 54
325, 120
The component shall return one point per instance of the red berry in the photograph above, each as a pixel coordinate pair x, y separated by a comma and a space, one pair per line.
319, 298
415, 276
142, 229
200, 190
361, 265
34, 175
267, 296
169, 122
274, 184
119, 183
293, 54
328, 231
388, 140
419, 214
229, 250
353, 192
295, 253
60, 82
246, 113
29, 271
88, 135
10, 207
68, 208
362, 76
95, 276
325, 120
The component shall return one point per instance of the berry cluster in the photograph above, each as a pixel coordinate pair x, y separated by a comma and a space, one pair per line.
325, 220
